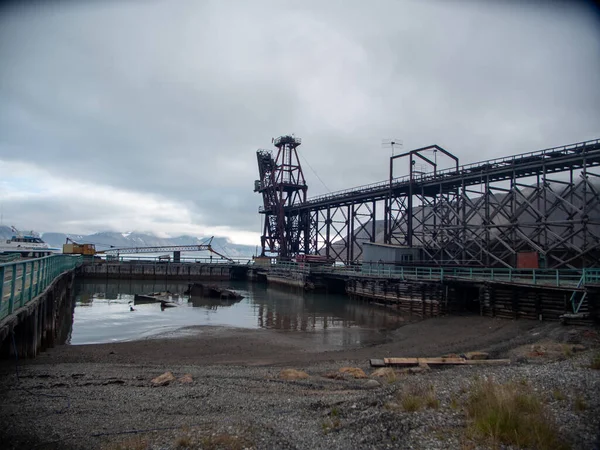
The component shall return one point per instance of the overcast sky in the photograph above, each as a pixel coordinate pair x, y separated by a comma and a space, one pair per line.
146, 115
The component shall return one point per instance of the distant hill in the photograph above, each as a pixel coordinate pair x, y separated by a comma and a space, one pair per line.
108, 239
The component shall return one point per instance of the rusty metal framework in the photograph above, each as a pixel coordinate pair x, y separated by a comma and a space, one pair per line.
283, 187
480, 214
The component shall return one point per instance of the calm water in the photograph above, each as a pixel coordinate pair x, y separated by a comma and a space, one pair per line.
102, 313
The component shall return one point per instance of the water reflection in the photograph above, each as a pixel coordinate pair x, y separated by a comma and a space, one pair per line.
286, 309
102, 313
212, 303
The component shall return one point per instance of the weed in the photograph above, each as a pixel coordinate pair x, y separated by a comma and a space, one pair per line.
567, 350
558, 395
579, 404
453, 403
411, 403
595, 362
224, 441
391, 377
511, 414
416, 398
183, 442
135, 443
432, 402
331, 425
334, 412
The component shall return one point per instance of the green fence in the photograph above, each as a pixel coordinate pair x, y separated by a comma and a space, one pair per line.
23, 280
548, 277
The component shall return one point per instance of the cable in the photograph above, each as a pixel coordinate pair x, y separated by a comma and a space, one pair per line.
313, 171
36, 394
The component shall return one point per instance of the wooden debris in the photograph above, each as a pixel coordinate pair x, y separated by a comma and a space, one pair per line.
440, 361
489, 362
214, 291
418, 361
477, 355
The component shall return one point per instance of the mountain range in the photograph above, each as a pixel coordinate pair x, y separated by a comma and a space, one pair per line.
107, 239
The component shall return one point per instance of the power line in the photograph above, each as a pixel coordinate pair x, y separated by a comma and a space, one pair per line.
313, 171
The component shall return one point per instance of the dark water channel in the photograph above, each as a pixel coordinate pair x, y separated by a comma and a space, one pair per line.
102, 313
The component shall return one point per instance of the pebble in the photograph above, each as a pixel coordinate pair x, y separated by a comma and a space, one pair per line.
253, 407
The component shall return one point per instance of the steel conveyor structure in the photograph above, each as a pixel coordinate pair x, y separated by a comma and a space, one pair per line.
480, 214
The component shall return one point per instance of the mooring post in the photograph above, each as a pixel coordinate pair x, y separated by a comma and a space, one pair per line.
11, 299
23, 278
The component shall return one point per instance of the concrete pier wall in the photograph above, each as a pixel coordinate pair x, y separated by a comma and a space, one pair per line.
162, 271
41, 323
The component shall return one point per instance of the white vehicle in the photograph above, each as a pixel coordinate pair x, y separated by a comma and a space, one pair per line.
27, 245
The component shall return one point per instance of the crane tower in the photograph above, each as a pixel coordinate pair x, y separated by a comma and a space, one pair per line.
282, 185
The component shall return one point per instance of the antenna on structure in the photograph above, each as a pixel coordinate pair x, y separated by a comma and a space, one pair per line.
387, 143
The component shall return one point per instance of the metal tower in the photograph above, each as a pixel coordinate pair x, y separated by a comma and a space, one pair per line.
282, 185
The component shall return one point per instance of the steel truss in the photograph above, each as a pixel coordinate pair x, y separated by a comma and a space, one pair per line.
480, 214
283, 187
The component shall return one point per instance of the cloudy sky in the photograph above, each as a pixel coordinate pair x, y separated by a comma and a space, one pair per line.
146, 115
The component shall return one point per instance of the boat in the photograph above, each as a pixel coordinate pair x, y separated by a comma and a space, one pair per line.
26, 245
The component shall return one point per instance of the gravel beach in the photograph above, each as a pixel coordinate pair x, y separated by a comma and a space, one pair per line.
228, 391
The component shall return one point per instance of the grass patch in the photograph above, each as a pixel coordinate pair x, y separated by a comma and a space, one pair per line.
567, 350
558, 395
432, 402
415, 398
224, 441
595, 362
333, 422
183, 442
391, 377
579, 404
134, 443
411, 403
453, 403
511, 414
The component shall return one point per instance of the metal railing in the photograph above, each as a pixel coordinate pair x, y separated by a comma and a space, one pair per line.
23, 280
183, 259
572, 278
507, 161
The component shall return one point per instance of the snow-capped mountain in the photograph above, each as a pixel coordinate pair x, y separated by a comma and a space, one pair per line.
108, 239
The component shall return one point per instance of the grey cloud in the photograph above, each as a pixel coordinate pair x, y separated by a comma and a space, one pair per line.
174, 100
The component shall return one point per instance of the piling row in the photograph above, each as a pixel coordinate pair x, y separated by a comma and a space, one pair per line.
509, 302
41, 323
411, 298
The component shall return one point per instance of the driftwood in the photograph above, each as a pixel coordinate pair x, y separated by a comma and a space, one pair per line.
212, 291
155, 297
435, 361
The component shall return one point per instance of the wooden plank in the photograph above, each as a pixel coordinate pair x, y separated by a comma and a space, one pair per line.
490, 362
417, 361
377, 363
436, 361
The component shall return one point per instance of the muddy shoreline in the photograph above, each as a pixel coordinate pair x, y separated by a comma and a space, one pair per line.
206, 345
100, 396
